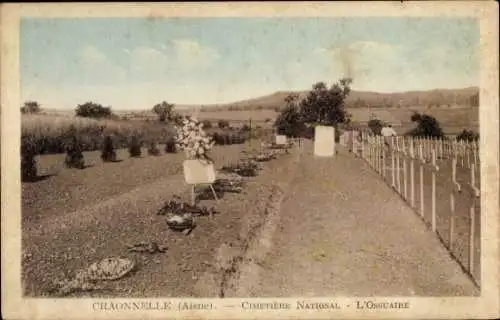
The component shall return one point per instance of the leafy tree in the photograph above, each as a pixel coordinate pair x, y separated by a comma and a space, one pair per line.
468, 135
375, 126
164, 110
92, 110
326, 106
31, 107
290, 121
427, 126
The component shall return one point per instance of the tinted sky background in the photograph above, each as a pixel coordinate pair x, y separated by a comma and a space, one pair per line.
133, 63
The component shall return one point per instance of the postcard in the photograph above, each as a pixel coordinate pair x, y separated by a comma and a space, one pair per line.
304, 160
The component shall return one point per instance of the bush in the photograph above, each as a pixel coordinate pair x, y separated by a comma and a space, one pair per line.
427, 126
108, 153
468, 135
92, 110
135, 147
207, 124
223, 124
376, 126
170, 146
28, 159
153, 149
245, 128
74, 156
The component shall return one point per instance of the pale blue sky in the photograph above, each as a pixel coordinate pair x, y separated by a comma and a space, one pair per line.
132, 63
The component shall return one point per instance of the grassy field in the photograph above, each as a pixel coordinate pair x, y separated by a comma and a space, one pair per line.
49, 133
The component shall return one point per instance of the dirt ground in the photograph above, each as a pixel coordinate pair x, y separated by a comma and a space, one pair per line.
343, 232
77, 217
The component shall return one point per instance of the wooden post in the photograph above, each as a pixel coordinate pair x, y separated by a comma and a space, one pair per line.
412, 173
382, 145
434, 169
392, 164
475, 194
456, 189
405, 174
422, 162
467, 153
398, 168
462, 153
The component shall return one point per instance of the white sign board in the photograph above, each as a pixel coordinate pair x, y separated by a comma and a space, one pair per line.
196, 172
324, 141
281, 140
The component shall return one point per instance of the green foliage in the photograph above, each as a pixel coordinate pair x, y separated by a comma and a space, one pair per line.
223, 124
164, 110
28, 159
170, 146
325, 105
290, 121
135, 147
427, 126
92, 110
245, 128
375, 126
108, 153
74, 156
207, 124
31, 107
153, 149
468, 135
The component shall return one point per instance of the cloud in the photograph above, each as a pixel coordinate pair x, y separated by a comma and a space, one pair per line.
192, 54
94, 62
147, 59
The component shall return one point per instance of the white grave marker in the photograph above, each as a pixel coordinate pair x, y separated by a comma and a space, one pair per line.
324, 141
196, 172
281, 140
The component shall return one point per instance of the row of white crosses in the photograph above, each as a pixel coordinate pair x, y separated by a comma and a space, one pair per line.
425, 152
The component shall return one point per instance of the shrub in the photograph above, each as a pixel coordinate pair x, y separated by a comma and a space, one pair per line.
223, 124
28, 159
468, 135
245, 128
207, 124
289, 121
92, 110
135, 147
108, 153
170, 146
153, 149
74, 156
427, 126
375, 126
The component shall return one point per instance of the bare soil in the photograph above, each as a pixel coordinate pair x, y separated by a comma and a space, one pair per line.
77, 217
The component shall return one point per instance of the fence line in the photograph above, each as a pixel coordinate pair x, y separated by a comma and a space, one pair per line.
438, 163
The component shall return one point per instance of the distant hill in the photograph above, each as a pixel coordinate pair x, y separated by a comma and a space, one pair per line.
363, 99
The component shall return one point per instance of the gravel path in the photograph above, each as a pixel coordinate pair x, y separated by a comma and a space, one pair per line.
344, 232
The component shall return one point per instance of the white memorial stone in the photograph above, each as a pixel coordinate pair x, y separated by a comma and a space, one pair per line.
281, 140
324, 141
